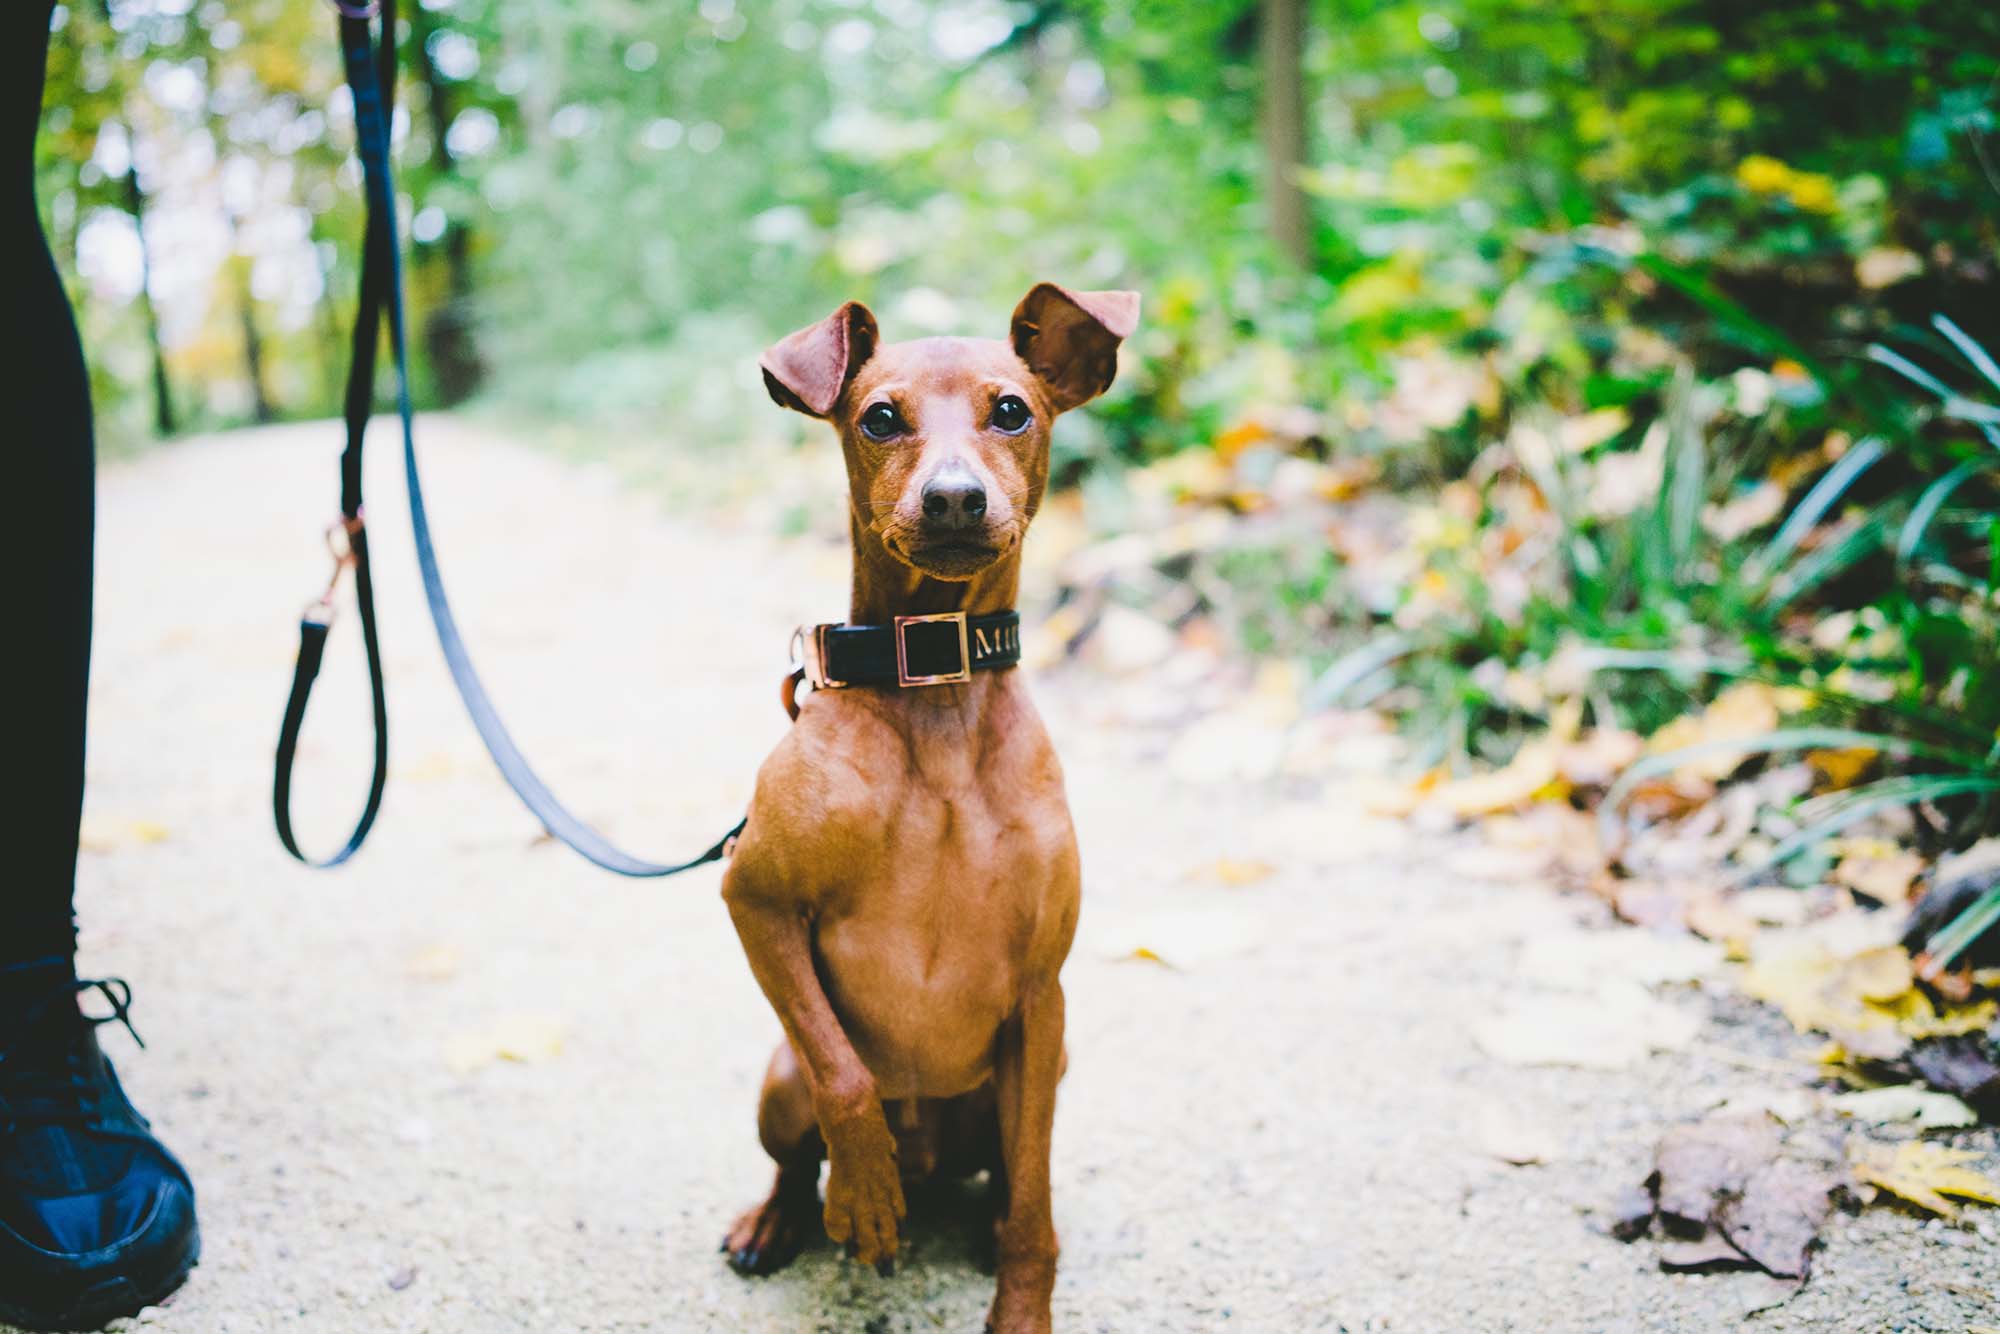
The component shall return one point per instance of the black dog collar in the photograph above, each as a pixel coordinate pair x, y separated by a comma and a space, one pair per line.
942, 649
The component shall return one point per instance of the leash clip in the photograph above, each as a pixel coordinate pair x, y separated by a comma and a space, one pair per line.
340, 536
807, 663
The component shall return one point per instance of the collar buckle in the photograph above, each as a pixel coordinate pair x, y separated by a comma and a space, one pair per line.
811, 642
960, 676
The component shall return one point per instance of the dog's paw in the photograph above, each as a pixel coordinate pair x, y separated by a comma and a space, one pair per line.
768, 1237
1006, 1317
864, 1189
1021, 1299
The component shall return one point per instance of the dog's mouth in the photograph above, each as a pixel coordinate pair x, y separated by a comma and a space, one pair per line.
954, 557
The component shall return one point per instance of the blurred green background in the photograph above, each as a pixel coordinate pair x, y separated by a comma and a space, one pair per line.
1522, 364
613, 205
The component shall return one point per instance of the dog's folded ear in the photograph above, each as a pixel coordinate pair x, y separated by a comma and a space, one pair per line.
806, 371
1070, 339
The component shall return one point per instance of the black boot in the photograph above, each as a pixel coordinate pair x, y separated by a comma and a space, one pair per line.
96, 1217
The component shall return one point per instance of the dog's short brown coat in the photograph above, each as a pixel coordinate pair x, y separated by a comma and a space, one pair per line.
907, 886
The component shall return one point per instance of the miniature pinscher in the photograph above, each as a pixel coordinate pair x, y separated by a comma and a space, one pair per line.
906, 887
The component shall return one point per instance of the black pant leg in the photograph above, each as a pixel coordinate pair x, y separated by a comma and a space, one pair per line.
50, 513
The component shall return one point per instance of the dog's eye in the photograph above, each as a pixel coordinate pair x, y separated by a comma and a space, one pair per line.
881, 421
1010, 415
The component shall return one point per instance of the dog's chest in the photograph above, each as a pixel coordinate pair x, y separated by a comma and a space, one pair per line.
925, 958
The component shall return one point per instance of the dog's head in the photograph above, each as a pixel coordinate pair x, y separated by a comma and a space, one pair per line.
947, 439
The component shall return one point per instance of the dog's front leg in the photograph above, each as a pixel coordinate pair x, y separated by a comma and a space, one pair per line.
864, 1191
1027, 1067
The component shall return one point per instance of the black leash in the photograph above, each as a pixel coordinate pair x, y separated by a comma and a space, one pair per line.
371, 70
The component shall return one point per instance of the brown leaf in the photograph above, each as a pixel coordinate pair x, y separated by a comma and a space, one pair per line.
1777, 1218
1716, 1156
1886, 877
1705, 1254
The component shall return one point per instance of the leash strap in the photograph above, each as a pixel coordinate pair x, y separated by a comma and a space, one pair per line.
370, 62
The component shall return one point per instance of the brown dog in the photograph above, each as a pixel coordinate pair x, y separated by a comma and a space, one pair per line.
907, 887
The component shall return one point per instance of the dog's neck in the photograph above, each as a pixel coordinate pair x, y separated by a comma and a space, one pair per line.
885, 588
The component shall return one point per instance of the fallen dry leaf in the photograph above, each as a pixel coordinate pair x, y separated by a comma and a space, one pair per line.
101, 835
1716, 917
1776, 1219
1608, 1029
1703, 1160
1925, 1173
432, 767
435, 963
1841, 768
1862, 999
519, 1038
1887, 877
1533, 769
1706, 1254
1237, 871
1581, 959
1745, 711
1906, 1104
1598, 757
1179, 937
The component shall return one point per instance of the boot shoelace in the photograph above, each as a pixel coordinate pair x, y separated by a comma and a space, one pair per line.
41, 1086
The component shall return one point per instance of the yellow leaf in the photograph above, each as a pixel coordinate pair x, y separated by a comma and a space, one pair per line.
1841, 768
1954, 1021
1533, 768
434, 964
1401, 801
1870, 992
1234, 871
1233, 441
97, 835
1740, 713
1924, 1173
519, 1038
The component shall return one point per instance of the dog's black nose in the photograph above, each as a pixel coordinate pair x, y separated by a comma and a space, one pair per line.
953, 498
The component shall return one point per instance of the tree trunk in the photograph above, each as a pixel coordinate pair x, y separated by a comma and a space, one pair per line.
449, 342
1282, 39
253, 357
163, 402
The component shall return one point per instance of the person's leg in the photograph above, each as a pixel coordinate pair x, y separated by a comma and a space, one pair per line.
51, 471
96, 1217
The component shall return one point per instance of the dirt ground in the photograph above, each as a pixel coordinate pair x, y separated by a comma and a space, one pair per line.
470, 1083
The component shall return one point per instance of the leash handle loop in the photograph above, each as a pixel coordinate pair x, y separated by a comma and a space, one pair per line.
370, 62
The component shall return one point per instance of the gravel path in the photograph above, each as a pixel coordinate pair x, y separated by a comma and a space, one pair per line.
1281, 1133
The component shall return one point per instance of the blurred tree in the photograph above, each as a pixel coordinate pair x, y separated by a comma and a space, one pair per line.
1282, 43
